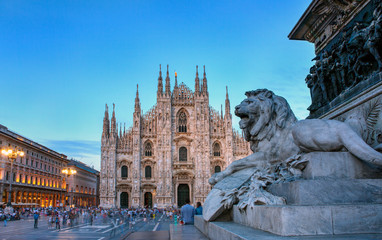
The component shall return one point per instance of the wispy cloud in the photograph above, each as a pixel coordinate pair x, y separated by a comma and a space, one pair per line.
83, 150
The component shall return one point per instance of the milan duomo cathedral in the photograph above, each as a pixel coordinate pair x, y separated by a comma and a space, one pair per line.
170, 152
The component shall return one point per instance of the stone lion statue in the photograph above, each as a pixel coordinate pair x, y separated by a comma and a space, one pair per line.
275, 135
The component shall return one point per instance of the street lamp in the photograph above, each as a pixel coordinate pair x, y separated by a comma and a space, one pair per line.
68, 172
12, 155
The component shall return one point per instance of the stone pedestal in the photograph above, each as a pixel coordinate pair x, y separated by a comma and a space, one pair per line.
338, 165
337, 194
313, 220
335, 191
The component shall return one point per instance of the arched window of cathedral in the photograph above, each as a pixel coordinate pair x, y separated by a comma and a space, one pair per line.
183, 154
217, 169
216, 149
148, 149
182, 122
124, 172
148, 172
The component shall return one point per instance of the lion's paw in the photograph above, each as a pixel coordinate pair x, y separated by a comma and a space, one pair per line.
216, 178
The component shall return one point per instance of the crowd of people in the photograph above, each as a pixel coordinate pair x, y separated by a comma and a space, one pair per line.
69, 217
9, 216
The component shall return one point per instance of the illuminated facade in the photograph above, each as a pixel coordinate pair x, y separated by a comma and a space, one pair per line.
170, 152
36, 177
82, 187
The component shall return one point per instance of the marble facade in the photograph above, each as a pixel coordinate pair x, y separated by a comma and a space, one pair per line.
171, 151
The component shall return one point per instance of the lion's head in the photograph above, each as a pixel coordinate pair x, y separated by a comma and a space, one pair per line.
262, 113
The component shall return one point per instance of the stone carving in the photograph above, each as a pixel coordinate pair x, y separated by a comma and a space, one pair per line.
279, 143
364, 120
353, 58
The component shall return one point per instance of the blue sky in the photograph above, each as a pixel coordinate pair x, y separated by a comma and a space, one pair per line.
61, 61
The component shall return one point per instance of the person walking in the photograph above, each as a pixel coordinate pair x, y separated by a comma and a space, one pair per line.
188, 212
199, 209
35, 217
91, 219
57, 220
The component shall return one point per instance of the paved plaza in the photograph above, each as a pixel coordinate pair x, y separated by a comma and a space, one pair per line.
158, 228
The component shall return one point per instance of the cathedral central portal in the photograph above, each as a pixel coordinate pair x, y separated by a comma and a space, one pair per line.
183, 194
170, 152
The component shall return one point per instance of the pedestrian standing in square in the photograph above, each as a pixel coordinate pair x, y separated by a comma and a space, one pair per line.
57, 220
188, 213
35, 217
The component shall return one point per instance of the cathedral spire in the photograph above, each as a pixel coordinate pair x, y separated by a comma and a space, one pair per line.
227, 103
106, 124
176, 80
204, 87
137, 107
160, 81
167, 87
197, 82
113, 129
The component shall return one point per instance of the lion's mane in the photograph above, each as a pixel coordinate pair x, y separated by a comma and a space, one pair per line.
267, 114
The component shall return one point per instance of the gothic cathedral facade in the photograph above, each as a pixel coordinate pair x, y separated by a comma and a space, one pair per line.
170, 152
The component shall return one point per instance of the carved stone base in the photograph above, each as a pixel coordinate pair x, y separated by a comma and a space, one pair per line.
350, 98
213, 206
313, 220
335, 191
354, 98
338, 165
230, 230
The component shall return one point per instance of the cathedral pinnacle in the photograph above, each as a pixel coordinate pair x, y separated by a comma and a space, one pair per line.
227, 103
176, 80
167, 87
160, 81
113, 129
204, 87
106, 123
137, 103
197, 81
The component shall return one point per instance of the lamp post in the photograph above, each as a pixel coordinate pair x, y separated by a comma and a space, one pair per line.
67, 172
12, 155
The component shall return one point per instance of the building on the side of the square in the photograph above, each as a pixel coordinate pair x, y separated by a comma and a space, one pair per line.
82, 187
36, 177
171, 151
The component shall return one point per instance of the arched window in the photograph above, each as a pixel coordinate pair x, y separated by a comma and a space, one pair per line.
124, 172
148, 150
216, 149
217, 169
148, 172
183, 154
182, 122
